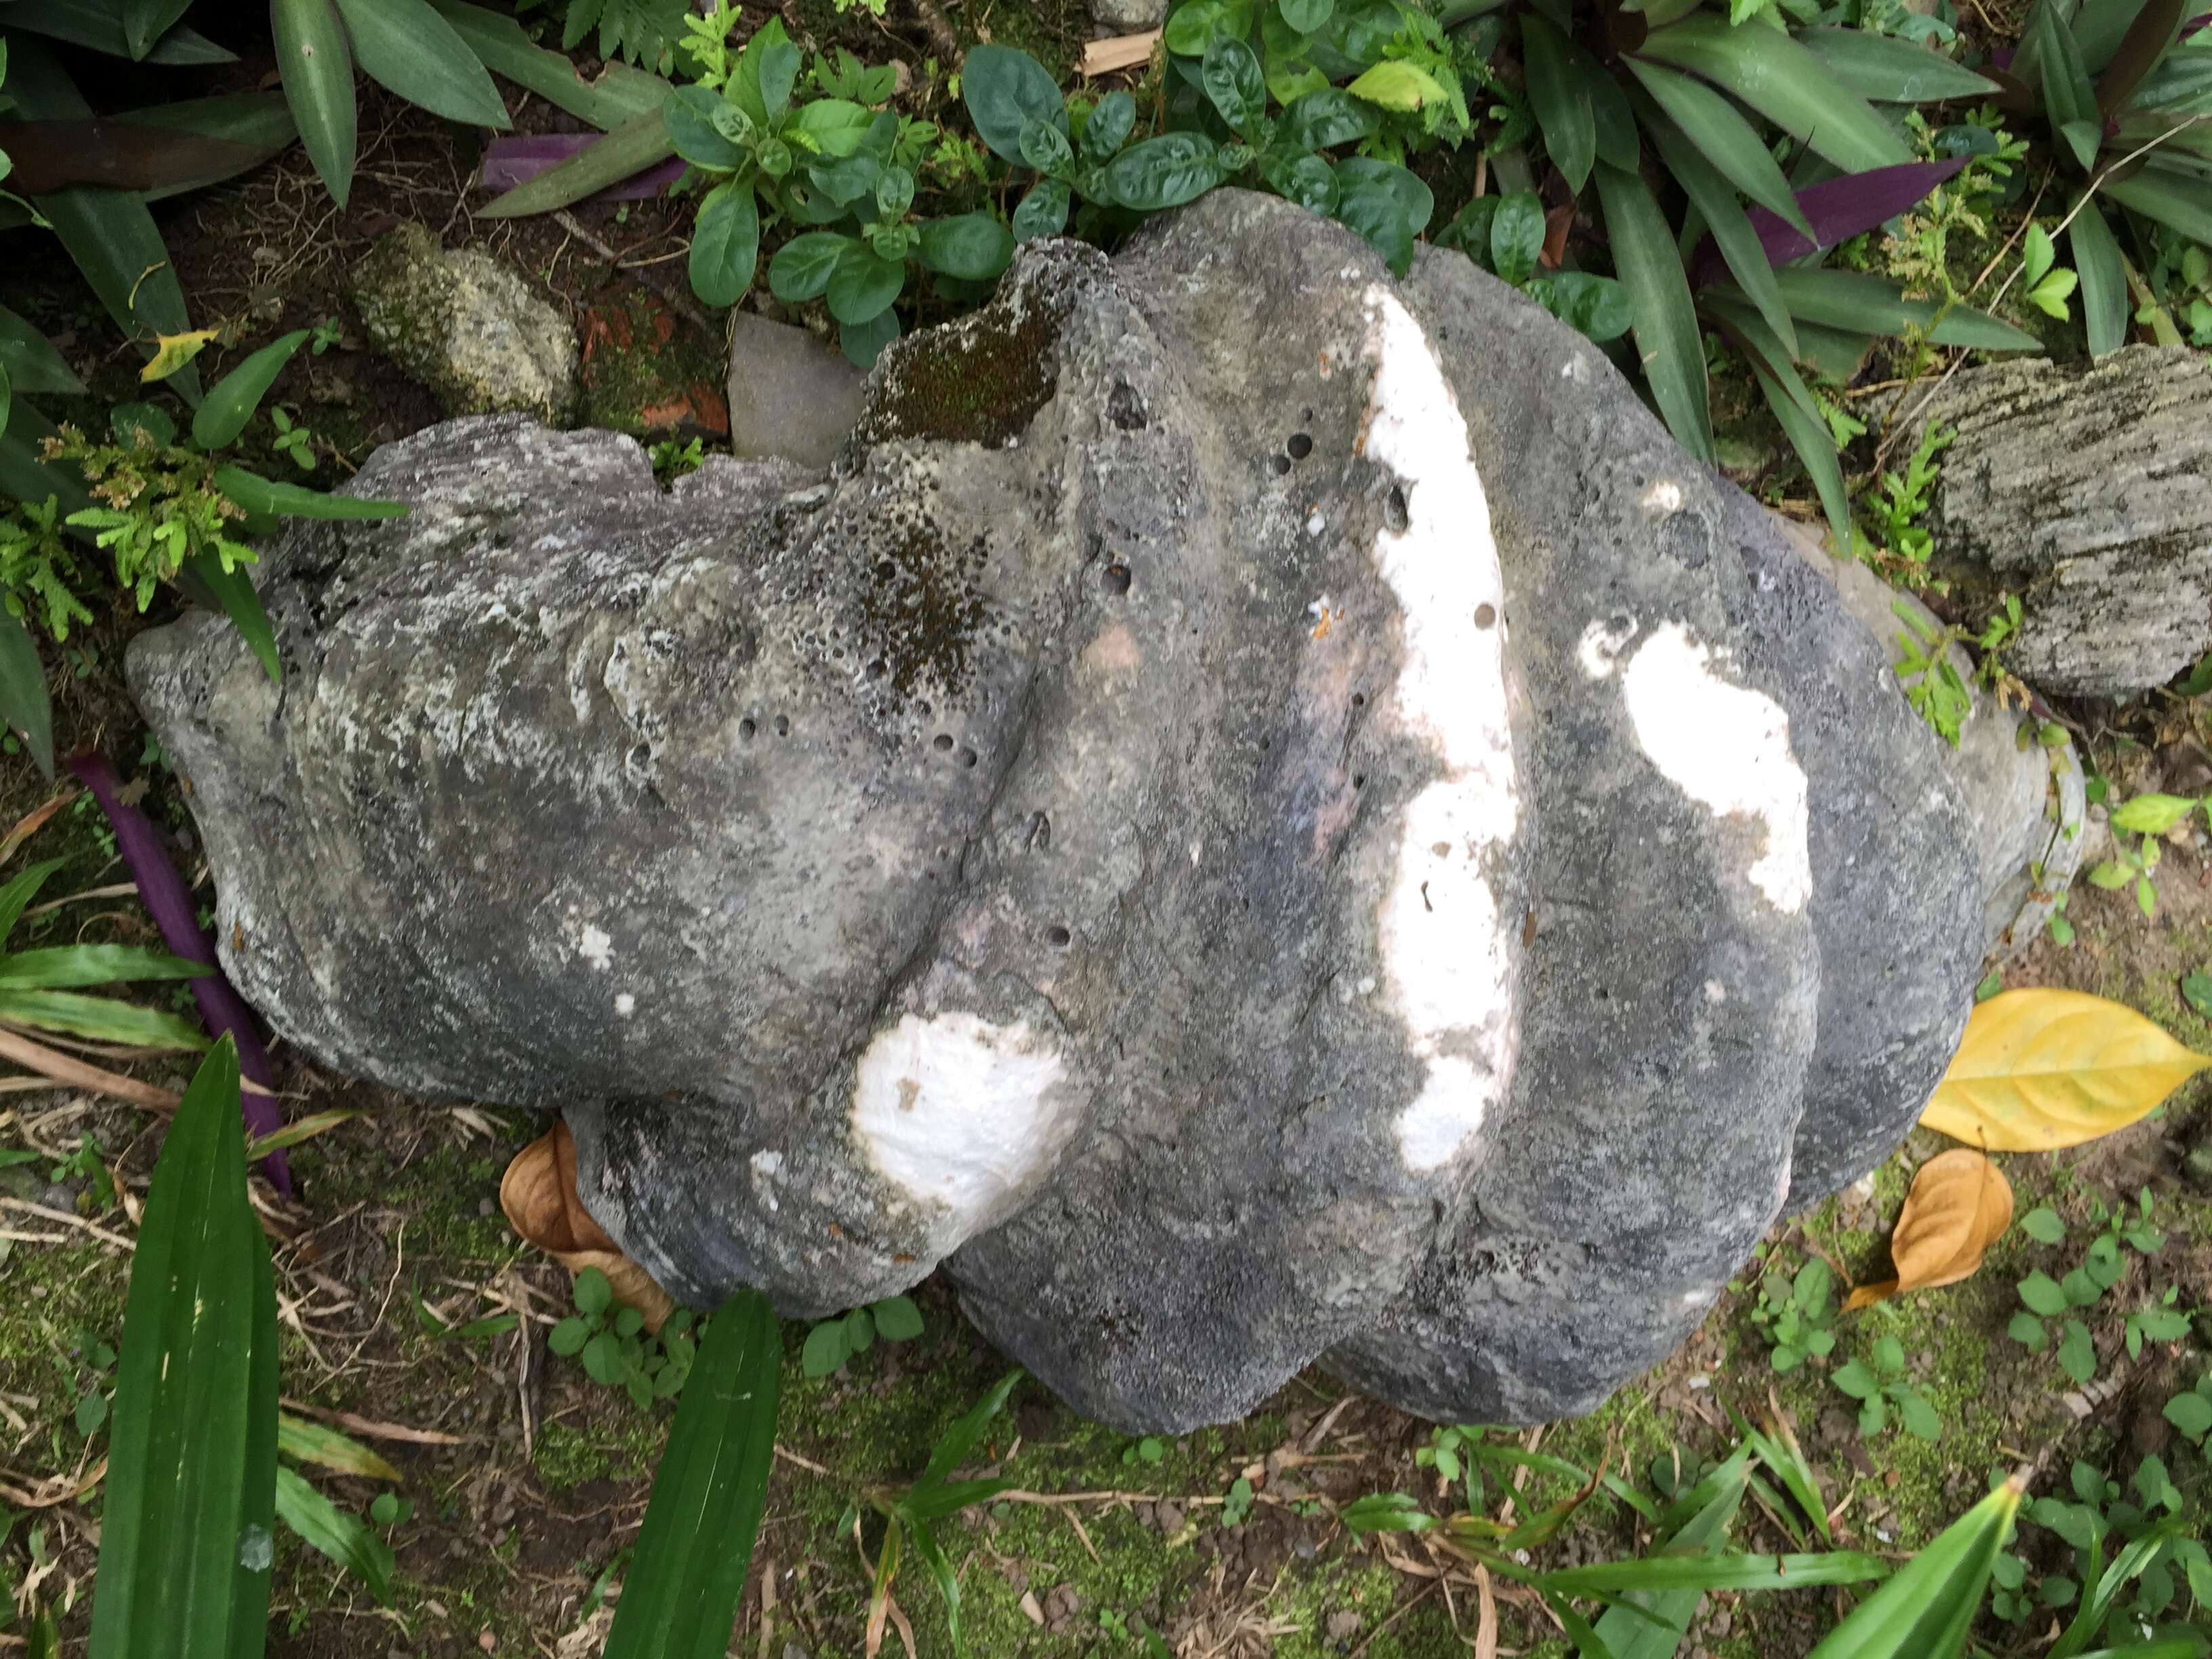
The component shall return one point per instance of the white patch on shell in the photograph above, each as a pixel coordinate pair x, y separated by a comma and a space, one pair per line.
1601, 644
1446, 952
597, 946
625, 1004
1727, 747
1665, 496
958, 1111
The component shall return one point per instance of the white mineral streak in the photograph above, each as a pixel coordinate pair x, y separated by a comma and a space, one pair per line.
1446, 951
958, 1111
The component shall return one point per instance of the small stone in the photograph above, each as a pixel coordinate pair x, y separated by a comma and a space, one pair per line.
1342, 1625
789, 394
486, 1207
467, 326
1128, 16
1031, 1608
1168, 1516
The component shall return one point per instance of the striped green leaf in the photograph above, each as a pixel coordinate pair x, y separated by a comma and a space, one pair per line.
316, 64
1667, 341
696, 1545
1730, 226
311, 1442
1885, 70
2103, 276
342, 1536
64, 965
1783, 82
1925, 1610
2170, 195
103, 1019
639, 143
406, 45
1866, 304
184, 1556
620, 93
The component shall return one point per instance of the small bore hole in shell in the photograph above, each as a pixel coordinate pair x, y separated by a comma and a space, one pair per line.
783, 725
1114, 578
967, 756
1301, 445
1393, 510
1058, 938
746, 728
942, 742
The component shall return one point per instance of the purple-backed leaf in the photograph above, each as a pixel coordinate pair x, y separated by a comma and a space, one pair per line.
1838, 209
519, 159
170, 902
2194, 24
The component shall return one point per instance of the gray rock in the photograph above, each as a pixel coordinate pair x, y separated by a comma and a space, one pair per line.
466, 326
1127, 832
1122, 16
2086, 490
790, 395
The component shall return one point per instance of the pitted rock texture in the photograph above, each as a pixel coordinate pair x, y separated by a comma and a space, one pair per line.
1258, 812
2087, 491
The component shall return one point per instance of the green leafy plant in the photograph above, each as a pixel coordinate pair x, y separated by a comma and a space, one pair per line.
2148, 817
2119, 1538
2046, 285
1229, 120
1795, 1312
615, 1349
645, 32
2121, 91
834, 1341
2047, 1303
1879, 1383
1505, 234
164, 505
910, 1516
1896, 542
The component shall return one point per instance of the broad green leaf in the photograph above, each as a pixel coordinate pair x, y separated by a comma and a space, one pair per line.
1925, 1610
1392, 84
1669, 348
231, 401
760, 83
1724, 139
1231, 79
1561, 106
1305, 16
1005, 90
2171, 198
104, 1019
898, 1319
800, 270
691, 113
1866, 304
108, 232
1517, 236
406, 45
973, 246
2128, 1565
259, 123
145, 22
725, 243
31, 363
316, 64
1109, 125
2041, 1069
60, 966
285, 501
620, 93
312, 1442
343, 1536
1043, 212
232, 592
1886, 70
23, 703
696, 1547
639, 143
1785, 82
1327, 118
825, 1348
99, 24
2153, 814
173, 352
2103, 276
863, 284
1386, 203
1162, 172
175, 1527
863, 342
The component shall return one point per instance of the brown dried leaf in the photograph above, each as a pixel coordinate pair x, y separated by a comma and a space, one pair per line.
1960, 1204
538, 1193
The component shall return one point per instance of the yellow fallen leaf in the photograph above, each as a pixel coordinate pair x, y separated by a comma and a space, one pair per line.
539, 1193
1960, 1205
173, 351
2042, 1069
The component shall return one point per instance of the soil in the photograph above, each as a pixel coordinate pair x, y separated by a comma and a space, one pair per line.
415, 1319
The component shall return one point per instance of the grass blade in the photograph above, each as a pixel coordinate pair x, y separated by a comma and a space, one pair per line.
1799, 415
232, 591
1653, 1623
31, 362
103, 1019
1924, 1611
344, 1537
1723, 136
1730, 226
287, 500
317, 67
1711, 1572
311, 1442
1866, 304
952, 1448
64, 965
181, 1440
696, 1547
1668, 341
2167, 198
